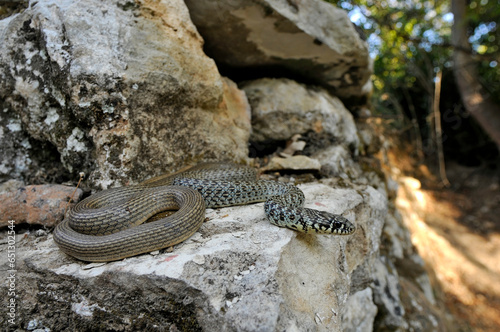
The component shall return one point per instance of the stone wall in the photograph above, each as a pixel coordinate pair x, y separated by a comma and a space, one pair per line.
124, 90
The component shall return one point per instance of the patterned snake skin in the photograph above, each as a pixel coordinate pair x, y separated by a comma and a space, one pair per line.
110, 224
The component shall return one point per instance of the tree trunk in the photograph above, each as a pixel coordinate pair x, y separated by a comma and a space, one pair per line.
476, 100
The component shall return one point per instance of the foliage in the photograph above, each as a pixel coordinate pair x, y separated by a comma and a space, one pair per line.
410, 41
403, 39
484, 18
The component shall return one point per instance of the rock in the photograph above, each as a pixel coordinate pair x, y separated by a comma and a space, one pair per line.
399, 238
386, 295
370, 139
282, 108
35, 204
292, 163
336, 161
312, 39
422, 315
360, 312
238, 272
11, 185
121, 91
293, 145
409, 280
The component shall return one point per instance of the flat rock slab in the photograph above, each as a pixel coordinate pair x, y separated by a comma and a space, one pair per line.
237, 273
311, 39
294, 162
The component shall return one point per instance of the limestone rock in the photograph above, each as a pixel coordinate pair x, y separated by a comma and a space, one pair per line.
35, 204
386, 295
292, 163
119, 90
371, 140
360, 312
293, 145
422, 315
337, 161
123, 91
282, 108
238, 273
312, 39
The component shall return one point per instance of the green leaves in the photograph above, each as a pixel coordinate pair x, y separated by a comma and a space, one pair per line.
410, 41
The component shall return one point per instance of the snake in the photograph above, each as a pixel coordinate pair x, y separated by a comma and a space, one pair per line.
115, 223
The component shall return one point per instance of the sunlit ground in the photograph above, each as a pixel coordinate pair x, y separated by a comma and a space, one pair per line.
456, 233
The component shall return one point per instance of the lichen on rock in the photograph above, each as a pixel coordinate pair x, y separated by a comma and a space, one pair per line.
310, 39
125, 84
122, 90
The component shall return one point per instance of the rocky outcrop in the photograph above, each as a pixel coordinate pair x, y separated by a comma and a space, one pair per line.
282, 108
238, 273
312, 40
117, 90
123, 91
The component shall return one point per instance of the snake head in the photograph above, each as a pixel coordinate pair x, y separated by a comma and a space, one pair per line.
330, 223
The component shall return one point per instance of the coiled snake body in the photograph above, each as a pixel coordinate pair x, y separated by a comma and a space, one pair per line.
110, 224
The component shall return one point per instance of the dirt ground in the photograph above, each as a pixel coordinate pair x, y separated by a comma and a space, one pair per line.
457, 232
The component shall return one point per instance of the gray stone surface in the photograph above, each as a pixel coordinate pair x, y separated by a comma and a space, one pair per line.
312, 39
123, 91
282, 108
360, 312
386, 295
336, 161
238, 273
119, 90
